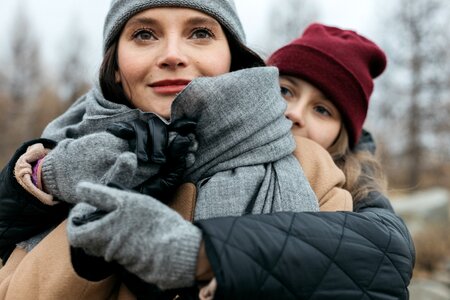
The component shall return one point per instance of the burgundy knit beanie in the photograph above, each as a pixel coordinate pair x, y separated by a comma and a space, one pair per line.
340, 63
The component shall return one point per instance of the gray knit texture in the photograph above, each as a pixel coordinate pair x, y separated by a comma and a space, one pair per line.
32, 242
244, 162
241, 131
244, 150
143, 235
86, 152
89, 114
98, 157
224, 11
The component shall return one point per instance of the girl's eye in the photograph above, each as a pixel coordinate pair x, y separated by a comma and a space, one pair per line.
144, 35
202, 33
285, 92
322, 110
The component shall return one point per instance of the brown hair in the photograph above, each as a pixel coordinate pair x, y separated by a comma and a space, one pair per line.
112, 90
242, 57
362, 169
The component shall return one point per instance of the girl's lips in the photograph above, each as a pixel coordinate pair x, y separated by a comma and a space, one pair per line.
169, 87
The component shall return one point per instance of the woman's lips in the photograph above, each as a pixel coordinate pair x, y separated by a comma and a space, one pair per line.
169, 87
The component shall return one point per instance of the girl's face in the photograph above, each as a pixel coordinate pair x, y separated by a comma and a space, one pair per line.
161, 50
313, 115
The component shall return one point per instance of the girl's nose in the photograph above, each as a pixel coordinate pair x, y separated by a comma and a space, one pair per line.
172, 55
294, 112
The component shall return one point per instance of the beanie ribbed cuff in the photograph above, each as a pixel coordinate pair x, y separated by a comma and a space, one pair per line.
121, 11
329, 76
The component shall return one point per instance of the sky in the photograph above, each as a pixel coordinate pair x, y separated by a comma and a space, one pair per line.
54, 20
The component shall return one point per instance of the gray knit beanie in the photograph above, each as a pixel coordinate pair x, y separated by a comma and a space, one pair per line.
224, 11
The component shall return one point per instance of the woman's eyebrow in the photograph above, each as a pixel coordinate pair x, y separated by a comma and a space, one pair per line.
142, 21
194, 21
202, 21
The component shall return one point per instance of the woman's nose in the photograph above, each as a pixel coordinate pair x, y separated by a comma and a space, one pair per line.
295, 114
172, 55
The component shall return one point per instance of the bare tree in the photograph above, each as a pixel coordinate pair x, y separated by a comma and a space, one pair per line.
415, 90
3, 82
72, 79
44, 110
286, 21
22, 82
4, 119
25, 63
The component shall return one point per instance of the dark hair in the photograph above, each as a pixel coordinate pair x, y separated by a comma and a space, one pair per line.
242, 57
112, 90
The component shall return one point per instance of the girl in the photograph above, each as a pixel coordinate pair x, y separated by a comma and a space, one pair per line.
326, 78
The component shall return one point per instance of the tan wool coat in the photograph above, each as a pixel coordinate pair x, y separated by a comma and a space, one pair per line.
46, 271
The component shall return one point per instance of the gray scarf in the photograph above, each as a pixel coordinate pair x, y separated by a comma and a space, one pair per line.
244, 163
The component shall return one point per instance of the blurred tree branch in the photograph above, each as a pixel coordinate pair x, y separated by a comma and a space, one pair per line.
30, 97
414, 93
287, 21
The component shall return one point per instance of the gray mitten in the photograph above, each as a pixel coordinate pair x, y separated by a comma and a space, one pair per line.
99, 157
138, 232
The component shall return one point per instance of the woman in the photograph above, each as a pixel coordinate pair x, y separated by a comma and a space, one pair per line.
158, 51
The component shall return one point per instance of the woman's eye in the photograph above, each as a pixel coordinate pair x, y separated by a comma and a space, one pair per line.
202, 33
144, 35
285, 92
322, 110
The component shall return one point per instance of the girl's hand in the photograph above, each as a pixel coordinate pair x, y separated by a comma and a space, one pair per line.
27, 171
207, 292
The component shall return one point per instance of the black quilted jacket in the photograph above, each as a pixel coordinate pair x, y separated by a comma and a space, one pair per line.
366, 254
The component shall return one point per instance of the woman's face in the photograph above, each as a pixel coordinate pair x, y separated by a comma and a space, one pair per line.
161, 50
313, 115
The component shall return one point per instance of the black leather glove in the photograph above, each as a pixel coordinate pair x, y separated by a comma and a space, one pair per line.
164, 184
147, 139
168, 145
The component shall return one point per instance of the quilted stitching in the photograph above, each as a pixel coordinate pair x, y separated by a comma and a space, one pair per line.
271, 274
225, 243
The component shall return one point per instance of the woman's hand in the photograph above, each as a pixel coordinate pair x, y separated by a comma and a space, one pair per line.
138, 232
